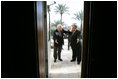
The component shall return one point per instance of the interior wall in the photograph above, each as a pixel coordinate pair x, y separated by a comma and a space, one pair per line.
101, 44
18, 40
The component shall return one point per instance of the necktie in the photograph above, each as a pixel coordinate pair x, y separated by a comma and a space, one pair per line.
73, 32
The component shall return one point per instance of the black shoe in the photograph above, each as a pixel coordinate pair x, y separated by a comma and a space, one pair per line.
72, 60
54, 60
60, 59
78, 62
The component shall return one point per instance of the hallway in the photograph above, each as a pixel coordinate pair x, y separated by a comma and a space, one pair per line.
64, 69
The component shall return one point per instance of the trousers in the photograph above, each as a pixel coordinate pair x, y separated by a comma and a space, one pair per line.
57, 52
76, 52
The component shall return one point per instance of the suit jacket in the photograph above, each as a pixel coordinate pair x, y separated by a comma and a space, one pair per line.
59, 37
74, 37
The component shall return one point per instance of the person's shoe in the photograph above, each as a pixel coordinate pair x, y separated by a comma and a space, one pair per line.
72, 60
54, 60
60, 59
78, 62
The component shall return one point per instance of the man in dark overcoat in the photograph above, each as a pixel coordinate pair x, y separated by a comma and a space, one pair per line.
75, 44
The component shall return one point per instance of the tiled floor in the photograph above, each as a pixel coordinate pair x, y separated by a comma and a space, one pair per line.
65, 68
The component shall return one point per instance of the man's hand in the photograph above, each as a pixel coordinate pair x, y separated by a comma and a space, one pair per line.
77, 40
56, 41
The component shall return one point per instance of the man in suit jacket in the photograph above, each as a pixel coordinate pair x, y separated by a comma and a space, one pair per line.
58, 41
75, 44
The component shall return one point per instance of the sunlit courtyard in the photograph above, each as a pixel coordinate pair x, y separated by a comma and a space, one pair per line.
65, 68
66, 13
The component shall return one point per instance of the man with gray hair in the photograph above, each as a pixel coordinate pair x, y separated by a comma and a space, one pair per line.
58, 41
75, 40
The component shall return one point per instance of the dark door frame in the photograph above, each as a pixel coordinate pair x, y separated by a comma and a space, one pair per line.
85, 46
41, 18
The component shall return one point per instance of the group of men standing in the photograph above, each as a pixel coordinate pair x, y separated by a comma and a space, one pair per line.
74, 39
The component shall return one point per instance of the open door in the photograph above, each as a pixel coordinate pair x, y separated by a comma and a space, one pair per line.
42, 38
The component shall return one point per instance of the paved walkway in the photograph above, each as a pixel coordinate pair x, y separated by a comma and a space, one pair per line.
65, 68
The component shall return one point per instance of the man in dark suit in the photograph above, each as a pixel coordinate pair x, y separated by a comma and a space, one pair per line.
58, 42
75, 44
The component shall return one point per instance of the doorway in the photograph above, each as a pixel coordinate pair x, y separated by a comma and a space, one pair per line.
73, 16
